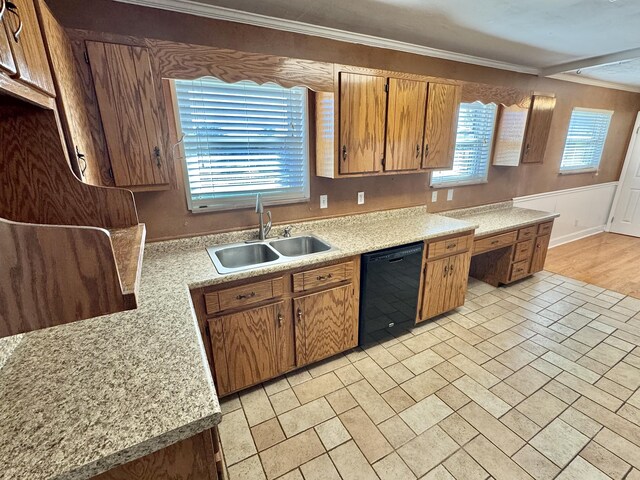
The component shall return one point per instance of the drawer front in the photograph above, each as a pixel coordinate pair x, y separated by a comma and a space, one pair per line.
449, 247
244, 295
321, 277
519, 270
527, 232
545, 228
495, 242
522, 251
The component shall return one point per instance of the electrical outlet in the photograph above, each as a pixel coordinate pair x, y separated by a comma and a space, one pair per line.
449, 194
434, 196
324, 201
360, 198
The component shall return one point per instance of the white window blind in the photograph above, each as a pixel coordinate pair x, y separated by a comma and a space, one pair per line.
476, 122
241, 139
585, 140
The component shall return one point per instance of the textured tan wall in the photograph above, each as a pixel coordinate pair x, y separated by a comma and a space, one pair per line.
166, 213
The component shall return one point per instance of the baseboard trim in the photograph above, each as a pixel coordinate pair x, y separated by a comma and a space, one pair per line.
572, 237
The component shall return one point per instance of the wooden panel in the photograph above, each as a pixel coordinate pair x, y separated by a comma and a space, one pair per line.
128, 250
405, 124
219, 356
527, 232
523, 250
6, 57
28, 50
449, 246
545, 228
435, 288
538, 128
540, 253
285, 337
322, 277
494, 242
519, 270
441, 125
509, 138
457, 281
362, 121
244, 295
191, 459
492, 267
329, 320
126, 96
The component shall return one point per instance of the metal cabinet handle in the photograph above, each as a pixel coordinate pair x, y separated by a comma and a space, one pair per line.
3, 8
495, 242
324, 277
451, 245
450, 270
299, 315
11, 7
417, 150
280, 318
344, 152
81, 158
243, 296
156, 152
426, 150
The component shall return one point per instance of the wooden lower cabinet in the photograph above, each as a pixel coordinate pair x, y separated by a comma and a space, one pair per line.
326, 324
539, 253
445, 285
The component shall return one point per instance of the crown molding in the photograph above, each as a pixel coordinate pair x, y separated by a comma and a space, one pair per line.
567, 77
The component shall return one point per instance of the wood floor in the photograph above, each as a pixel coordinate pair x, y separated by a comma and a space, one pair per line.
607, 260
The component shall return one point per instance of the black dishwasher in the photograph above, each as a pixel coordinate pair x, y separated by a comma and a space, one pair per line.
389, 284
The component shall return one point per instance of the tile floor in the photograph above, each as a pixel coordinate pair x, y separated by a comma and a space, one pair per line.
536, 380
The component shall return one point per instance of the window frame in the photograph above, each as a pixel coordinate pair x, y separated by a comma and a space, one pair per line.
196, 207
585, 169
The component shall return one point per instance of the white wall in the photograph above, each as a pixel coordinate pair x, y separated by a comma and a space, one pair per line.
583, 211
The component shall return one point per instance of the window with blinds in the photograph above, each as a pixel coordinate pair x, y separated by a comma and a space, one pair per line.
587, 134
241, 139
476, 124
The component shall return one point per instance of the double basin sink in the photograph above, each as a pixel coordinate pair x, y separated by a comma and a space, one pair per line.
242, 256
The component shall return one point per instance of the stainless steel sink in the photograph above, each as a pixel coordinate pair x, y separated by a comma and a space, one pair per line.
296, 246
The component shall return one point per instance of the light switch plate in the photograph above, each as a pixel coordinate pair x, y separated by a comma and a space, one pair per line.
434, 196
324, 201
449, 194
360, 198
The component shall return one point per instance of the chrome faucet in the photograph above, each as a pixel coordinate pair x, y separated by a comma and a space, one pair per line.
264, 229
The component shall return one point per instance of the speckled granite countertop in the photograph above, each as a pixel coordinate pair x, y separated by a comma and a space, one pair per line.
82, 398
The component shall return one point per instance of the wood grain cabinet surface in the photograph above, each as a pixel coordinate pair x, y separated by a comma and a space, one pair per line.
7, 64
538, 128
443, 102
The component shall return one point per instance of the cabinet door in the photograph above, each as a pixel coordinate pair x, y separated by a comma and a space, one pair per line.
28, 47
405, 124
443, 102
326, 324
362, 120
539, 253
457, 281
6, 57
538, 128
129, 111
435, 288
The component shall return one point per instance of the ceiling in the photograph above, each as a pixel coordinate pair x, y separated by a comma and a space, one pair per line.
526, 35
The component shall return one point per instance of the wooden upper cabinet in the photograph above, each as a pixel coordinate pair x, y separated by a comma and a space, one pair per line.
538, 128
27, 47
126, 95
362, 122
443, 102
405, 124
6, 57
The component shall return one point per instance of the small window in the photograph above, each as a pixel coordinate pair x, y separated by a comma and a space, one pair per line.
476, 122
585, 140
241, 139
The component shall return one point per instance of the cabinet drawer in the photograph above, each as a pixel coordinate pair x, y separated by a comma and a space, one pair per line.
321, 277
450, 246
519, 270
545, 228
527, 232
522, 251
495, 242
244, 295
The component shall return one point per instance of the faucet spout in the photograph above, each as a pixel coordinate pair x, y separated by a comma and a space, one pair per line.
263, 230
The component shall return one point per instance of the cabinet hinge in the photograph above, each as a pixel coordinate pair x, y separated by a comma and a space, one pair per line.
86, 57
386, 87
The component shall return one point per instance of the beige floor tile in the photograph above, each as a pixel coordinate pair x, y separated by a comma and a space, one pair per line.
318, 387
237, 442
533, 347
574, 344
396, 431
520, 424
341, 400
593, 365
499, 324
579, 469
376, 376
559, 442
370, 401
400, 351
393, 468
535, 463
483, 397
325, 366
542, 407
320, 468
506, 340
561, 391
248, 468
507, 393
491, 428
399, 373
371, 442
381, 356
458, 428
425, 414
256, 406
332, 433
588, 390
436, 442
398, 399
633, 475
421, 342
230, 404
444, 350
284, 401
489, 349
516, 358
348, 374
545, 367
605, 417
498, 369
557, 350
291, 453
461, 465
578, 420
448, 371
306, 416
605, 461
453, 397
423, 385
351, 463
468, 350
630, 412
300, 376
292, 475
438, 473
422, 361
275, 386
613, 388
475, 371
620, 446
625, 375
527, 380
267, 434
494, 461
